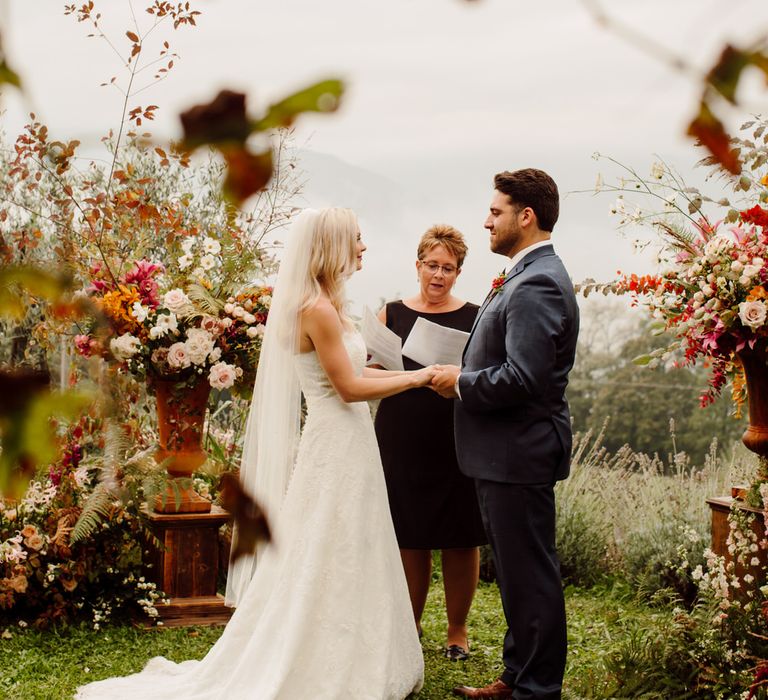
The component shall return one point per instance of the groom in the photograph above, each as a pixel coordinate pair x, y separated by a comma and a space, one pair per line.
513, 432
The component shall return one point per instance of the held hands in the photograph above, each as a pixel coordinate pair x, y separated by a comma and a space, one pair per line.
423, 377
444, 380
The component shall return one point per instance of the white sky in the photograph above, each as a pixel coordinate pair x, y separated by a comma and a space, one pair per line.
441, 95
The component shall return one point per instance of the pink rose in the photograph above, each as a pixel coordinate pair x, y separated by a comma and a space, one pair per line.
178, 356
212, 325
222, 375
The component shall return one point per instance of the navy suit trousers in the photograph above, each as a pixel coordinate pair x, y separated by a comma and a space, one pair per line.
520, 522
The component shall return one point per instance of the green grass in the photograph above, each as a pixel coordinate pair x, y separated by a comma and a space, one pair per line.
50, 665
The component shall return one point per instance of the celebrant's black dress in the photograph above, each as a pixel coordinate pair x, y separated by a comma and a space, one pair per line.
433, 504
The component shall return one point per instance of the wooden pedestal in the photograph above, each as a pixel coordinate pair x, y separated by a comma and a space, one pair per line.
721, 507
186, 567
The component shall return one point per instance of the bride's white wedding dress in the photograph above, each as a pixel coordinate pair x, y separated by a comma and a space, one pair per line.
327, 614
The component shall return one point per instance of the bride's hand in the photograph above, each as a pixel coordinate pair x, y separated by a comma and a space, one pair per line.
423, 377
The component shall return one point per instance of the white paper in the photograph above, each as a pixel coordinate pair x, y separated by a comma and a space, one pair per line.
384, 346
431, 344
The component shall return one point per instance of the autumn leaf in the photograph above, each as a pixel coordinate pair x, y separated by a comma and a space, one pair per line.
709, 131
38, 283
320, 97
28, 437
251, 522
8, 76
247, 173
725, 74
220, 121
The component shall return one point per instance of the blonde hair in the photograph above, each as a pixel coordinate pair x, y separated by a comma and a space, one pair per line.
332, 258
447, 236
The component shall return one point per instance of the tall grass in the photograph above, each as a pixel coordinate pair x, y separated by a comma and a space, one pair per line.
631, 515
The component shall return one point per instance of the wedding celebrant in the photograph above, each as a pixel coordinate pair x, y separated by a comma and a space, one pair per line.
513, 432
433, 504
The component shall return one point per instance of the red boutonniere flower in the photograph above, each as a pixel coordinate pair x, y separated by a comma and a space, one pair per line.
497, 284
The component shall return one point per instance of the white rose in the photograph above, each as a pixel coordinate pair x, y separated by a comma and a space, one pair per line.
249, 318
265, 299
737, 266
261, 328
177, 301
165, 323
124, 347
751, 270
752, 313
215, 355
188, 244
199, 345
238, 312
207, 262
229, 307
222, 375
252, 331
744, 281
178, 357
139, 312
211, 245
185, 261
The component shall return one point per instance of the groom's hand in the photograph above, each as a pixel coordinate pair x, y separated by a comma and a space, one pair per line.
444, 382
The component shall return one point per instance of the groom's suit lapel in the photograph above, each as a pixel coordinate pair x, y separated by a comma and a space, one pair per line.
514, 272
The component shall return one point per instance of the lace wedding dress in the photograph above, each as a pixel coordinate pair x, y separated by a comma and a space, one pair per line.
327, 614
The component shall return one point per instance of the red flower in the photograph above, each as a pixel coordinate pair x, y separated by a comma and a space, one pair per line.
497, 284
756, 215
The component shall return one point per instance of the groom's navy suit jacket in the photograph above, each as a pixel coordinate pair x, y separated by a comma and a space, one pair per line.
512, 422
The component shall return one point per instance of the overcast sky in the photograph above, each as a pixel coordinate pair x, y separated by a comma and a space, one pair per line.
441, 95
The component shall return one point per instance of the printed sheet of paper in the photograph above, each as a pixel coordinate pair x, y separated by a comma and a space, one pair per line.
431, 344
384, 346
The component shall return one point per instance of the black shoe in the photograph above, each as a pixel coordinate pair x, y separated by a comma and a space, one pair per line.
455, 653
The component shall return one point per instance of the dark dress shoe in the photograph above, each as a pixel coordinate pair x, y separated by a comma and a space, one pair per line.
498, 690
455, 653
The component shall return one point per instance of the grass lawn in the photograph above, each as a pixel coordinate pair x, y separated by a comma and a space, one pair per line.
50, 665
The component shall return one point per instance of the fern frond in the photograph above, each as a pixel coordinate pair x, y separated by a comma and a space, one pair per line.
96, 510
204, 299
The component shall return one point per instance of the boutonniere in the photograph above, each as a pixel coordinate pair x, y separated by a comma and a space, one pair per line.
497, 284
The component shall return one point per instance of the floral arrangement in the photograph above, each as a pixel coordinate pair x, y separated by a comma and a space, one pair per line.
712, 291
180, 333
45, 576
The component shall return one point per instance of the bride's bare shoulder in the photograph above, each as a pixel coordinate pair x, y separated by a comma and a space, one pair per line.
321, 312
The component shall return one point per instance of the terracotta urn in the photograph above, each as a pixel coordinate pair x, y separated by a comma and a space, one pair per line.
180, 420
754, 360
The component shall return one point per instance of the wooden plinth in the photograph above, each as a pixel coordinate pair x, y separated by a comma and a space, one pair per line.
186, 566
720, 508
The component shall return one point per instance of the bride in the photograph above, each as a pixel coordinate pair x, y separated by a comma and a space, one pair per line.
323, 611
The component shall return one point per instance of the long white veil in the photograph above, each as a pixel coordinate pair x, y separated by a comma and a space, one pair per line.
274, 421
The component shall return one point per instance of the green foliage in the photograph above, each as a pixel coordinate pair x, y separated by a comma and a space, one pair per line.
96, 510
640, 401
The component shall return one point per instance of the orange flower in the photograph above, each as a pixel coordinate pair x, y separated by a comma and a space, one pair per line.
117, 305
757, 293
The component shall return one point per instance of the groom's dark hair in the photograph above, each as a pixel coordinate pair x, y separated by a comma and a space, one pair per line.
532, 188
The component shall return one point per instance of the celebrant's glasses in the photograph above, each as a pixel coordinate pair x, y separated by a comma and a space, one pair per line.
433, 268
